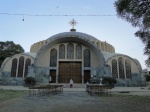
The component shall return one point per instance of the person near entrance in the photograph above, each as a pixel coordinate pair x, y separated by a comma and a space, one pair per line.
71, 83
50, 79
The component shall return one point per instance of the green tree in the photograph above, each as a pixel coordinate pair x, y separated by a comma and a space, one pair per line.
9, 48
147, 78
109, 81
137, 12
29, 81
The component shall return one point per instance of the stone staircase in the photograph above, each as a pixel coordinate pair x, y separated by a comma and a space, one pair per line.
76, 85
67, 85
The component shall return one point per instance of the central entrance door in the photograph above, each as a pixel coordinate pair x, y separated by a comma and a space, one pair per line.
70, 70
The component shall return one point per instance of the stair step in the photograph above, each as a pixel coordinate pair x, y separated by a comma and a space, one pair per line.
75, 85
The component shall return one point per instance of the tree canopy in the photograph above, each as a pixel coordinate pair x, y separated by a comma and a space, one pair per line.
137, 12
9, 48
147, 78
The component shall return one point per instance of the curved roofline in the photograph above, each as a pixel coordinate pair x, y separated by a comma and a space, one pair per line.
30, 54
101, 44
70, 37
4, 62
76, 34
9, 58
138, 64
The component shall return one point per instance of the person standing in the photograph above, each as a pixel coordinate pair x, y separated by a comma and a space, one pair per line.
71, 83
50, 79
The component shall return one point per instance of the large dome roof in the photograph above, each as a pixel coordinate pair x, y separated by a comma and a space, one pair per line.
69, 36
72, 34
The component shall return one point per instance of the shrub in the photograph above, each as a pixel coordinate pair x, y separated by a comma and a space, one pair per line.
29, 81
147, 78
109, 80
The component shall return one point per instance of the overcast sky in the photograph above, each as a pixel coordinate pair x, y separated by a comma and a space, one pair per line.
36, 27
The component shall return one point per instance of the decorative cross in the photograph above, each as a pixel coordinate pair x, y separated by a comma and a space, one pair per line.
73, 23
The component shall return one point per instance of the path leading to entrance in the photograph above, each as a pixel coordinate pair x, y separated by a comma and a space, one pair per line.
76, 102
141, 91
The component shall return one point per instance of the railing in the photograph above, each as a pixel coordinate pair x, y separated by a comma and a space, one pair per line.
98, 89
45, 89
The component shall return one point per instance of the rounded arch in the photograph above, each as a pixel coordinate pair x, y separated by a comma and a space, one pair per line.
53, 58
114, 68
62, 51
128, 68
30, 55
21, 66
14, 67
70, 51
87, 56
78, 51
122, 55
77, 37
121, 67
27, 63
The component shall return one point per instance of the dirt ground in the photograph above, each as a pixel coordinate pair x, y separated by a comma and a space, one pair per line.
77, 102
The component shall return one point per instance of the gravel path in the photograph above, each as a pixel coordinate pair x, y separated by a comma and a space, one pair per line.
76, 102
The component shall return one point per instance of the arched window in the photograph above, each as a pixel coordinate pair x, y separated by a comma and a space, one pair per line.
78, 52
14, 67
21, 66
62, 51
53, 58
114, 68
121, 68
106, 47
70, 51
86, 58
28, 62
128, 68
102, 46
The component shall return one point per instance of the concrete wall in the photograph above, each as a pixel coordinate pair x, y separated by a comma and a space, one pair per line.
104, 46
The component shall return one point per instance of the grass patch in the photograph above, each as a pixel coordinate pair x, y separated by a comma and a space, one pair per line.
9, 94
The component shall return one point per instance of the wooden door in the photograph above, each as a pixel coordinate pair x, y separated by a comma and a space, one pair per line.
87, 76
70, 70
53, 75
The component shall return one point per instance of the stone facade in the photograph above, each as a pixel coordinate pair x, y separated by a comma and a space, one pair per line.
73, 55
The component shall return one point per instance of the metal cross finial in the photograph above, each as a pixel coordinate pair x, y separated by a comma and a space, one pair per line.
73, 23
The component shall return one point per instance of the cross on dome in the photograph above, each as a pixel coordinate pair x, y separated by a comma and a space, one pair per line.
73, 23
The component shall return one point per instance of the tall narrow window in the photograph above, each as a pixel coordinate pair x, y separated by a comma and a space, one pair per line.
78, 52
128, 68
106, 47
114, 69
62, 51
21, 66
86, 58
70, 51
121, 68
28, 62
102, 46
53, 58
14, 67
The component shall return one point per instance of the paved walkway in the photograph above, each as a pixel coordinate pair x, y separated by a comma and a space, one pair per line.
142, 91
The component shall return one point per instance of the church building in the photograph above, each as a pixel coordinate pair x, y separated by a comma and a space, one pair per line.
72, 55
